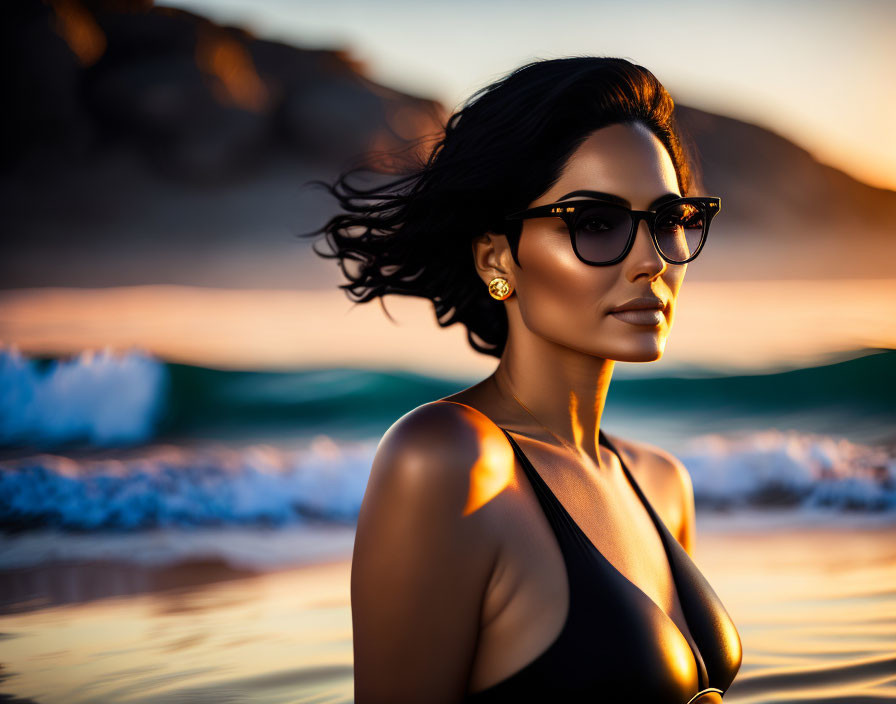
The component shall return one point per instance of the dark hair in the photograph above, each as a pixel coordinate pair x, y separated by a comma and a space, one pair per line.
505, 147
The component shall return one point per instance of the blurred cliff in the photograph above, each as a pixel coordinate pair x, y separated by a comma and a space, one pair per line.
151, 145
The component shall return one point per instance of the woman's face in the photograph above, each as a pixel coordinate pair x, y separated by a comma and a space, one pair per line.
561, 298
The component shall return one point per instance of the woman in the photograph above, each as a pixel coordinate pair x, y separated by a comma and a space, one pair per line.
508, 550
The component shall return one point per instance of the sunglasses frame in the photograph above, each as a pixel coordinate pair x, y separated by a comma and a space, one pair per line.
567, 211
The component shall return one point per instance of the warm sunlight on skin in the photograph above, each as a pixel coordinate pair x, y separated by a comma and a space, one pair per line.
577, 432
566, 300
562, 333
493, 470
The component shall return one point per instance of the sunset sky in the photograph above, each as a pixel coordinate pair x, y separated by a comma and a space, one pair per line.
734, 326
816, 71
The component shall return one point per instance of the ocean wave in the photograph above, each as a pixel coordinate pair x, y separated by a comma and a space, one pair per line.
173, 486
787, 468
97, 397
262, 485
104, 399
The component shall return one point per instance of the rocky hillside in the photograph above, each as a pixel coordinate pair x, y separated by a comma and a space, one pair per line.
152, 145
785, 215
201, 101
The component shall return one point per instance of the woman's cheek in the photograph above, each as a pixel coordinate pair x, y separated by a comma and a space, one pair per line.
563, 305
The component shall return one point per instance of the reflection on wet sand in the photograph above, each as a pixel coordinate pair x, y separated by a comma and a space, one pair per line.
814, 603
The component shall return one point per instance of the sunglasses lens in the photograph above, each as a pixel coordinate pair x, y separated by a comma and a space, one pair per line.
601, 232
680, 229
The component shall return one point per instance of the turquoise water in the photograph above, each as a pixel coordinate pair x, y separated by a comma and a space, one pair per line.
151, 513
113, 402
132, 443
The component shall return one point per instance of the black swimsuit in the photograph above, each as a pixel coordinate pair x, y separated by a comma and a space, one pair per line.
617, 645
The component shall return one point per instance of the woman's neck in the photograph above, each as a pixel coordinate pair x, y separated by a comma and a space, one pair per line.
563, 389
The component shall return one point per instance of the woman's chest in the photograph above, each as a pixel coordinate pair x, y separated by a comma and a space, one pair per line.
607, 566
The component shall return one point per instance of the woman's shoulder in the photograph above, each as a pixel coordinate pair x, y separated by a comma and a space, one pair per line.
667, 482
649, 459
445, 450
422, 562
441, 430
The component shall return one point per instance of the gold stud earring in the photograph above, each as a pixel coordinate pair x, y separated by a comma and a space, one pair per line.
499, 289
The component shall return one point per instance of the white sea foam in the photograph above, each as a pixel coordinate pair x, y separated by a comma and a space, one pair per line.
99, 397
166, 485
261, 506
257, 502
260, 484
775, 467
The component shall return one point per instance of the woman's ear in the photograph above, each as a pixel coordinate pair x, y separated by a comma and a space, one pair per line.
491, 257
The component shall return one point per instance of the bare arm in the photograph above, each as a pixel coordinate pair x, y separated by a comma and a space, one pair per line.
420, 565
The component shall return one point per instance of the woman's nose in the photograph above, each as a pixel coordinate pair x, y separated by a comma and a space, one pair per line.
644, 259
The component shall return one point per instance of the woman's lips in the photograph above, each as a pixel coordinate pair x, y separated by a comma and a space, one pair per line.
642, 316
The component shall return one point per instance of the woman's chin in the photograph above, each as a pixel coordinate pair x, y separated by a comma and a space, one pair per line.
643, 348
646, 353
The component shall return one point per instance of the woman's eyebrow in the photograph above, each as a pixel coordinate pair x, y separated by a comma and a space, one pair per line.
618, 199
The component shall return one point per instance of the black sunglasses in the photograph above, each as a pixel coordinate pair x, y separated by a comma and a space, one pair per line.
603, 232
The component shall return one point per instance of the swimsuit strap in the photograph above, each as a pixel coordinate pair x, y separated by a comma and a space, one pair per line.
559, 517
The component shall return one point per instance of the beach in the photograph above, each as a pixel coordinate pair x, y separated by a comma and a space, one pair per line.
206, 333
190, 540
813, 597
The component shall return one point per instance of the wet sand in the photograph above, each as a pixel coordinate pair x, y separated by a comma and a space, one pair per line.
814, 602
